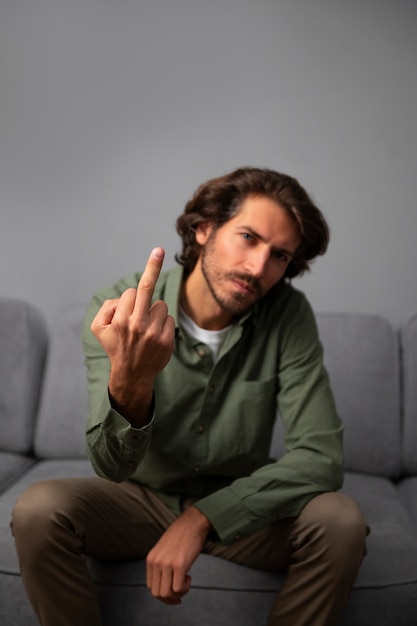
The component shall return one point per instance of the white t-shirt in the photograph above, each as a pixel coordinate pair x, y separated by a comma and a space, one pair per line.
212, 338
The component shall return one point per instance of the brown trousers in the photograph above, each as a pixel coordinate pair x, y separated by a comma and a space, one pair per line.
56, 522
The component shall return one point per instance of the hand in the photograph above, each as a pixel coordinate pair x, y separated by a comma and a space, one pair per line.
169, 561
138, 337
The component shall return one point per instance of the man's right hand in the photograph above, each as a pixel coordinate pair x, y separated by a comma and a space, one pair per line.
138, 337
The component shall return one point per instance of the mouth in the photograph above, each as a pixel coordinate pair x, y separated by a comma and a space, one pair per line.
243, 287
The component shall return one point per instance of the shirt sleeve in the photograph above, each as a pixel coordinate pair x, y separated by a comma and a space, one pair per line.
313, 462
114, 447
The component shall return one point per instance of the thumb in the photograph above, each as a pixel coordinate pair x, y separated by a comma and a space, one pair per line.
104, 316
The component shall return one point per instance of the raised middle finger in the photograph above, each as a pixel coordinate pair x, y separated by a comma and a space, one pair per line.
147, 283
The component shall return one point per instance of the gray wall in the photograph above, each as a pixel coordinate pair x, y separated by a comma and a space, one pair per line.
113, 111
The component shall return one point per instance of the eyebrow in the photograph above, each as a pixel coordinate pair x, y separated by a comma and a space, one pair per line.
259, 236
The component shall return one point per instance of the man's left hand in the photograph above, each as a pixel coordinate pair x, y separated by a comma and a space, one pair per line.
169, 561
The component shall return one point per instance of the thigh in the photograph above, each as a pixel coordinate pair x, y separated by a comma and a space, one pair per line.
110, 520
267, 549
334, 516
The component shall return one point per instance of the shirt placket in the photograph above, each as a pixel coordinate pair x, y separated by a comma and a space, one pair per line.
212, 399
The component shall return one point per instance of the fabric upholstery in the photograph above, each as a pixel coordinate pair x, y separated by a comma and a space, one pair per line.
409, 355
23, 344
362, 357
205, 607
60, 430
408, 491
12, 466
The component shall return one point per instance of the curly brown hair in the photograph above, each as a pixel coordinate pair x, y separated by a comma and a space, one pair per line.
219, 199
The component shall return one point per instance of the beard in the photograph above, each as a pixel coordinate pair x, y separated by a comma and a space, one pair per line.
220, 283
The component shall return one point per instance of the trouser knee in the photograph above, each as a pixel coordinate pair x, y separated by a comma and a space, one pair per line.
334, 523
35, 517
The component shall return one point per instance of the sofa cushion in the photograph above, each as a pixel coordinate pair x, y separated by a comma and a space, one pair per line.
362, 358
12, 466
408, 490
392, 543
409, 352
23, 343
60, 430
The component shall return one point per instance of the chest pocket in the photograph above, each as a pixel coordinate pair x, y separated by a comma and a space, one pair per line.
245, 421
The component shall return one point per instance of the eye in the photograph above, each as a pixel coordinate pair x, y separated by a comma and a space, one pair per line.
247, 236
281, 256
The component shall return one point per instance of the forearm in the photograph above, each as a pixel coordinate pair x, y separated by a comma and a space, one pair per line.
276, 491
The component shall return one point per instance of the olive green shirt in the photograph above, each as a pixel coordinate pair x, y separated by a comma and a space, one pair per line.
210, 434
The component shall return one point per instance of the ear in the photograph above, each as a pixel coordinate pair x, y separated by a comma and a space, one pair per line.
202, 232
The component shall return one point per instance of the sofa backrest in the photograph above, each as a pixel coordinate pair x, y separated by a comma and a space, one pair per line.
362, 358
23, 345
409, 359
60, 429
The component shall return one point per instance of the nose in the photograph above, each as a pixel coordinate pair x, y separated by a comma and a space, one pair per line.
256, 262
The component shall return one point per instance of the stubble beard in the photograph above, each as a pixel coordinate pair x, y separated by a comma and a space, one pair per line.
237, 303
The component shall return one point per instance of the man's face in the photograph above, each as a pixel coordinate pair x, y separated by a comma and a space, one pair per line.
249, 254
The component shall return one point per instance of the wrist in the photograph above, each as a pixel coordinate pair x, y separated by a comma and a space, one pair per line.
133, 402
199, 519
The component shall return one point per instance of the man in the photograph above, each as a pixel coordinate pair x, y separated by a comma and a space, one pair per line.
186, 370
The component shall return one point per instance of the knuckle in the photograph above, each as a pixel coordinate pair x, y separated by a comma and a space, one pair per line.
145, 286
147, 334
154, 560
130, 292
159, 306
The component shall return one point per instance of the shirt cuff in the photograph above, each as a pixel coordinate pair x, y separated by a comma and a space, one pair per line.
227, 515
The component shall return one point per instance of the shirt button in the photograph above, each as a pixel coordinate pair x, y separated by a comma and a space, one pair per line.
201, 428
210, 389
237, 537
197, 469
201, 352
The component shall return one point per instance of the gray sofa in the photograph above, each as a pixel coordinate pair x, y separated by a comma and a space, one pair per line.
373, 368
